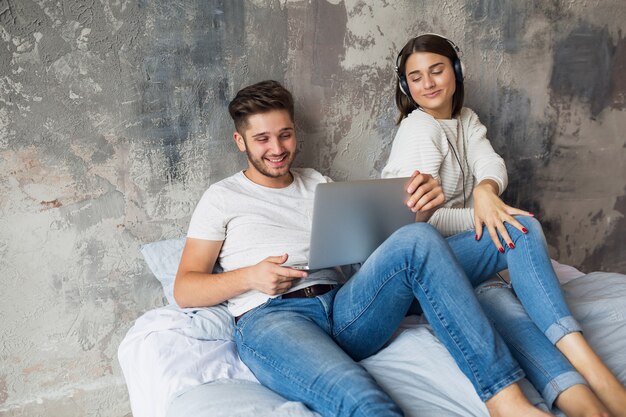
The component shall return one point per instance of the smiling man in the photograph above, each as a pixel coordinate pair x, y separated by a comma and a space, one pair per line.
303, 334
270, 153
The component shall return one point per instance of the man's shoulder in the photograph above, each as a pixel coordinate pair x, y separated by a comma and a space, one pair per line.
223, 187
309, 175
227, 183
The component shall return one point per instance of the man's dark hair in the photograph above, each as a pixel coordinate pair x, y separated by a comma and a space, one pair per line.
258, 98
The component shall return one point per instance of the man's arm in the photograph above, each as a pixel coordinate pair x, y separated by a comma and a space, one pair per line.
197, 286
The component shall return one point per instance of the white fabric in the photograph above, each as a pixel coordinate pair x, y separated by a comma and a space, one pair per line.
423, 143
160, 361
229, 398
162, 354
565, 273
163, 257
255, 222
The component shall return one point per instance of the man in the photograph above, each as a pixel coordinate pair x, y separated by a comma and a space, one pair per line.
302, 334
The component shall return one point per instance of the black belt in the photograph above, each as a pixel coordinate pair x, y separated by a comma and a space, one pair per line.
306, 292
310, 292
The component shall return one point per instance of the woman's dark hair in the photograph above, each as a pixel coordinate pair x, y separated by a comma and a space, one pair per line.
257, 98
437, 45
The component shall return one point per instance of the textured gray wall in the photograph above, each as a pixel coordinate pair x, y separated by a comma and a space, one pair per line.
113, 122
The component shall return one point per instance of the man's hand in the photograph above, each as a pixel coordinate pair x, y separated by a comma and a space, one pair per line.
269, 277
426, 193
491, 211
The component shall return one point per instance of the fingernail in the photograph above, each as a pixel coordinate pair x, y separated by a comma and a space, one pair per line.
501, 250
531, 214
525, 230
476, 237
511, 245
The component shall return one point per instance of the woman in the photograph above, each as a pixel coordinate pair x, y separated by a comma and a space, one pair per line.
438, 136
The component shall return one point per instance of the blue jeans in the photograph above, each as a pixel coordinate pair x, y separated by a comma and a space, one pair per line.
307, 349
545, 366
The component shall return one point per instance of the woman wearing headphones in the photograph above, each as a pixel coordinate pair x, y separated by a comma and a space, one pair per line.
440, 137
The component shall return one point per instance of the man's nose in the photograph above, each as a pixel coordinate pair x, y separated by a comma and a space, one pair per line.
276, 147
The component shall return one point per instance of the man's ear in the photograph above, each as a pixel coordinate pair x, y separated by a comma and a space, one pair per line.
239, 141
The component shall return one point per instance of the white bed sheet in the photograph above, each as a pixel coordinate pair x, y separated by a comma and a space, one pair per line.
163, 362
163, 354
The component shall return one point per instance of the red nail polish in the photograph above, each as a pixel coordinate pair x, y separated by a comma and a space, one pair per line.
476, 237
531, 214
525, 230
501, 250
511, 245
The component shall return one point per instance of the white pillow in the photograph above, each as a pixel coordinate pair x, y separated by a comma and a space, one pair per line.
163, 258
207, 323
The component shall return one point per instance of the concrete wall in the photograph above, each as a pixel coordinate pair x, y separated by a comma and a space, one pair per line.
113, 122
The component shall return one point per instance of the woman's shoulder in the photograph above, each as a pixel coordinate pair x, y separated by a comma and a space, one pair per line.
467, 113
420, 121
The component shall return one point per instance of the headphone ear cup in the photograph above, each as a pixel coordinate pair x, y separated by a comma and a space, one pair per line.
404, 86
459, 70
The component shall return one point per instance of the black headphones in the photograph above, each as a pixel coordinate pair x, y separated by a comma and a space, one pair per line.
457, 66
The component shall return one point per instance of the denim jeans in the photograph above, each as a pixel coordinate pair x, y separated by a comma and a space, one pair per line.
307, 349
545, 366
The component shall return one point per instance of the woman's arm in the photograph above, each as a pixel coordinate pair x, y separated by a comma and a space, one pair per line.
489, 171
483, 161
450, 221
418, 144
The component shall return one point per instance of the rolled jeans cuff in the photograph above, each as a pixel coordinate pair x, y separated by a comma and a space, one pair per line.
486, 393
559, 384
561, 328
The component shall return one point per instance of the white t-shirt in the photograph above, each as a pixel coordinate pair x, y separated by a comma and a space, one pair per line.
255, 222
424, 143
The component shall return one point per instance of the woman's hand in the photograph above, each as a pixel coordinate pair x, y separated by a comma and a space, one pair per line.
426, 192
491, 211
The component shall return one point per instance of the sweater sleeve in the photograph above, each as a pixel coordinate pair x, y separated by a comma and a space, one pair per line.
484, 162
450, 221
416, 146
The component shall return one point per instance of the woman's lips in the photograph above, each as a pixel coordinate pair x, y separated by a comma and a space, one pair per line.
433, 94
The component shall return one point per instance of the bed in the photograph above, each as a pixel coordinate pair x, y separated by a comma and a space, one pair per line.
183, 362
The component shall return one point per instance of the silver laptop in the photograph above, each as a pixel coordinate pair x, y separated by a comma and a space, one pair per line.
351, 219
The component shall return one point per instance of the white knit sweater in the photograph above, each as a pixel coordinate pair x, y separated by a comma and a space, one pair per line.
421, 143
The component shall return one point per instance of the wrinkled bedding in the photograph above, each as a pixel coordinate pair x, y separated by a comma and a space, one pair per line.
182, 362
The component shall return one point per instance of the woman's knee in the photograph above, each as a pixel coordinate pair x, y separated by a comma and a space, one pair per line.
529, 222
532, 228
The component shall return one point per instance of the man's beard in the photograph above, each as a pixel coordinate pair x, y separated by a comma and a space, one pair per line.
260, 166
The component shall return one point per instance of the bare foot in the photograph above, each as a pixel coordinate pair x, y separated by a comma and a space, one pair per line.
511, 402
580, 401
601, 380
612, 394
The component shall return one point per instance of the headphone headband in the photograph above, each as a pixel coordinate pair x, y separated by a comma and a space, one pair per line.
454, 46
